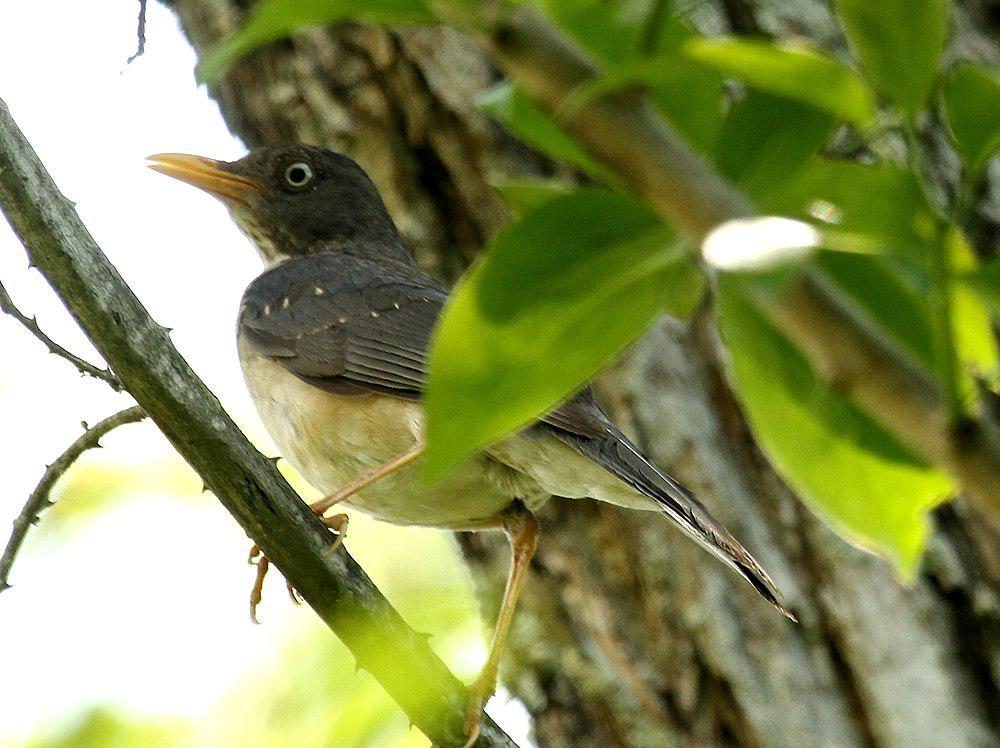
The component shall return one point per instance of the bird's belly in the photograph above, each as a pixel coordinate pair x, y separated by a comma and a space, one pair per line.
334, 439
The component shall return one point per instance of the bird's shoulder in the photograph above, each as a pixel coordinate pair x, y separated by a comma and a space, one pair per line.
342, 316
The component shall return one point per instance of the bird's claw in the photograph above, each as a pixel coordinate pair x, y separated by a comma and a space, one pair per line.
258, 585
337, 523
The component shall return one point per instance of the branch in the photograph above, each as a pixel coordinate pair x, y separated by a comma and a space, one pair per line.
85, 367
140, 34
39, 498
247, 483
625, 132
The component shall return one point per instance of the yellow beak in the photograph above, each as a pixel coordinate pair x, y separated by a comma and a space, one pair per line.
206, 174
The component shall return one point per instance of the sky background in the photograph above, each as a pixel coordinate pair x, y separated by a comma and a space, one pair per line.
143, 605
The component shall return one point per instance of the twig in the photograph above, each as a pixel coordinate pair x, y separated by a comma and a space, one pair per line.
39, 498
244, 481
85, 367
140, 33
846, 349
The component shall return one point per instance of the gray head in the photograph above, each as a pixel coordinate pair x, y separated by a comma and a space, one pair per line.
294, 199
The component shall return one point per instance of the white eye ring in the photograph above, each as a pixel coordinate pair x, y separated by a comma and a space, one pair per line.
298, 174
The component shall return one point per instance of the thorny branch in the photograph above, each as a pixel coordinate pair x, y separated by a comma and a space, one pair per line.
7, 306
39, 498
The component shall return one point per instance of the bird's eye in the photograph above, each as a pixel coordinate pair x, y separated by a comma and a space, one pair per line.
298, 174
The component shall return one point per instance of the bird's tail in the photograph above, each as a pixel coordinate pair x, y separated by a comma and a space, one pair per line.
623, 460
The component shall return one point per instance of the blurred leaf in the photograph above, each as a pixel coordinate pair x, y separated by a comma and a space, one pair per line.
767, 139
522, 116
688, 95
899, 43
93, 485
972, 108
276, 19
974, 338
558, 295
634, 53
884, 201
844, 465
876, 285
102, 728
985, 284
521, 195
611, 30
794, 71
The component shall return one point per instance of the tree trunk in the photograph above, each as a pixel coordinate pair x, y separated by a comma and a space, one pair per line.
630, 635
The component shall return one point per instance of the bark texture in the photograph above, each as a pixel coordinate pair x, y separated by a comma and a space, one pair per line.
629, 635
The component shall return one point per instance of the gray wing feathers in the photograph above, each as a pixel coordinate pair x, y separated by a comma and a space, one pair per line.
338, 320
621, 458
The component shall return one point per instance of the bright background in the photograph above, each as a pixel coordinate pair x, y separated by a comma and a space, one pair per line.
127, 623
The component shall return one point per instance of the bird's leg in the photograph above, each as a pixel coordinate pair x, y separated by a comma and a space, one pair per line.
337, 523
522, 530
400, 460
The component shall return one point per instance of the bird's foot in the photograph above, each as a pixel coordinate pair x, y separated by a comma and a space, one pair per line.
479, 693
337, 523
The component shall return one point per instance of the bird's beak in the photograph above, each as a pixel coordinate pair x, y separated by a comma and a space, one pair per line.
207, 174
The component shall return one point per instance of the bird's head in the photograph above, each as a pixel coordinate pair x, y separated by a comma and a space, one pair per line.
293, 199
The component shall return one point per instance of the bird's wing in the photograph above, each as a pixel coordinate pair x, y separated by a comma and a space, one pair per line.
340, 321
347, 324
613, 451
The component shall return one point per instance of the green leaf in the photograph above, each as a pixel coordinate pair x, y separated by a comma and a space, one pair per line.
883, 201
848, 468
688, 95
522, 116
559, 294
768, 139
877, 286
972, 108
794, 71
521, 195
276, 19
899, 44
974, 338
608, 29
984, 282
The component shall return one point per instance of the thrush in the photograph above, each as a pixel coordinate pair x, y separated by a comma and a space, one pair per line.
333, 341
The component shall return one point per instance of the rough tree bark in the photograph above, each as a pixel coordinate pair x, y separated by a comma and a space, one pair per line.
629, 635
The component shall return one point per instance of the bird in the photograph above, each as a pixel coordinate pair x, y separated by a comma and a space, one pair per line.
333, 339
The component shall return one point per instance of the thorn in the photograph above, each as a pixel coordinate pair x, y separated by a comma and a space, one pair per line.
4, 585
84, 423
34, 521
274, 460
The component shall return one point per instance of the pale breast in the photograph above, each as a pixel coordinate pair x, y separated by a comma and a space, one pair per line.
334, 439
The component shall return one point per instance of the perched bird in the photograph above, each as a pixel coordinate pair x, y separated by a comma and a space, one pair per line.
333, 340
